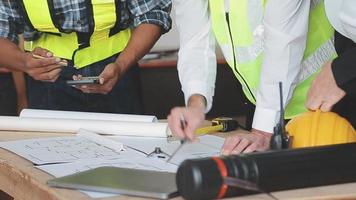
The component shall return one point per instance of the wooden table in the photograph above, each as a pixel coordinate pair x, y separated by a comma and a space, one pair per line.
22, 181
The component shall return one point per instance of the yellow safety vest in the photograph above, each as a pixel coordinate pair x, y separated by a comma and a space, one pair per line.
104, 41
238, 36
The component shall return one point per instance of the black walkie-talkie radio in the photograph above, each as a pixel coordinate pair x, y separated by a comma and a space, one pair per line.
280, 138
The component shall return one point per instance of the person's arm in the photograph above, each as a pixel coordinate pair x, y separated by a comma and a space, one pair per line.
20, 84
11, 56
196, 65
286, 28
11, 24
150, 20
344, 71
336, 79
285, 32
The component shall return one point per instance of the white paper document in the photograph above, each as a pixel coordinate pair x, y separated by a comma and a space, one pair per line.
64, 150
62, 156
143, 129
207, 145
56, 114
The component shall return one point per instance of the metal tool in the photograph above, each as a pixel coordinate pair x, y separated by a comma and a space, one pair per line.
182, 142
157, 151
220, 124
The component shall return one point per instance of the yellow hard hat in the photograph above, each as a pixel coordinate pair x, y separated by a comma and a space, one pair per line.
315, 128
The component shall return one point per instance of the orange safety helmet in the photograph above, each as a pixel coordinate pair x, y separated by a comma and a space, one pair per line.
316, 128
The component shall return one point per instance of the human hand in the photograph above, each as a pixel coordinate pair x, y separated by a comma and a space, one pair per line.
4, 70
107, 80
46, 68
324, 92
193, 115
247, 143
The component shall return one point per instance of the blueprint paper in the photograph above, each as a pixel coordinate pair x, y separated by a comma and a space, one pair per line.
71, 149
56, 114
63, 150
207, 145
143, 129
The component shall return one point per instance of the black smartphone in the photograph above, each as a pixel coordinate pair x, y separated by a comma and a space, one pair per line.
84, 81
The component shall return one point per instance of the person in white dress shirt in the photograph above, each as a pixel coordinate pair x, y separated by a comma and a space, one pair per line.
285, 33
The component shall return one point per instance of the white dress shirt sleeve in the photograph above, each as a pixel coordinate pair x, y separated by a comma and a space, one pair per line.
285, 29
196, 58
347, 17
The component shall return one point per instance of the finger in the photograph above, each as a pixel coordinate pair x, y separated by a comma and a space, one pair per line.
45, 70
54, 74
4, 70
326, 106
107, 74
55, 78
314, 104
42, 52
229, 144
189, 133
251, 148
98, 89
49, 75
88, 90
174, 123
40, 63
63, 63
84, 89
43, 73
50, 61
241, 146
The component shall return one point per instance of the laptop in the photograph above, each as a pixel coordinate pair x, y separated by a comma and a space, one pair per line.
124, 181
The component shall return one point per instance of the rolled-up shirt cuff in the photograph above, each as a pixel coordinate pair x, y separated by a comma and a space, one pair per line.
5, 33
201, 89
265, 119
157, 17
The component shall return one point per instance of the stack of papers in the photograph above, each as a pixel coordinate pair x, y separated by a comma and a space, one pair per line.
61, 156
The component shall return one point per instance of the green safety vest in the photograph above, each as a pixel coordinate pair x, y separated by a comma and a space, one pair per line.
104, 41
242, 46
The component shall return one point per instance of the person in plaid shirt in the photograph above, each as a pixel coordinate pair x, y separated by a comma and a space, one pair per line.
119, 90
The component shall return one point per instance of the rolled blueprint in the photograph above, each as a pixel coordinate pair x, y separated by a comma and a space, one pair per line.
56, 114
73, 125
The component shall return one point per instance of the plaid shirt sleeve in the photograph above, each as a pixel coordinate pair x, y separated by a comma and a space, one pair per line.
10, 21
151, 12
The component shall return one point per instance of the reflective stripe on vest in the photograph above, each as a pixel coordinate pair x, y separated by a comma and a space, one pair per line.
104, 41
240, 36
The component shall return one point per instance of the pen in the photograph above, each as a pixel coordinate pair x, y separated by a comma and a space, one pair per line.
183, 124
63, 63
